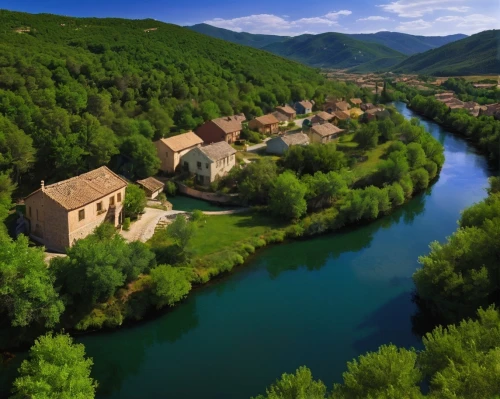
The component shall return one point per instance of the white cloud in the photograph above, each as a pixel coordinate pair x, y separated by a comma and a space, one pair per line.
273, 24
470, 23
418, 8
375, 18
418, 24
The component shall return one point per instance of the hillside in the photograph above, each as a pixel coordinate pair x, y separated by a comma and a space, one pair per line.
474, 55
78, 93
334, 50
244, 38
407, 44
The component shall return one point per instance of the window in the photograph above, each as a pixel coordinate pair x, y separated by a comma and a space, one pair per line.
29, 211
166, 155
99, 207
37, 215
119, 197
81, 214
112, 201
207, 165
198, 164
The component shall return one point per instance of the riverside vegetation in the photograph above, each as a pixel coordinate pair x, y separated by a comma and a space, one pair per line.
459, 360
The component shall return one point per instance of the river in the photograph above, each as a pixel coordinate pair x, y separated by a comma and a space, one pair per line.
318, 303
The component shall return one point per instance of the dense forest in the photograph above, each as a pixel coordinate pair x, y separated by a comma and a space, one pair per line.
79, 93
474, 55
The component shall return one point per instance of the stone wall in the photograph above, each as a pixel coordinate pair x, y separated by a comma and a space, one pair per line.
210, 197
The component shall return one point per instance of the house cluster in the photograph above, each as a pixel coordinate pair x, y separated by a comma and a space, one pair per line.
452, 102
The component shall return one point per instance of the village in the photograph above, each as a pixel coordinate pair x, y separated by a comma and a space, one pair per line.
59, 214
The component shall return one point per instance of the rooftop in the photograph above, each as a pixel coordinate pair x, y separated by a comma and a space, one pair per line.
295, 139
286, 109
269, 119
84, 189
182, 141
325, 130
230, 124
324, 115
218, 150
151, 184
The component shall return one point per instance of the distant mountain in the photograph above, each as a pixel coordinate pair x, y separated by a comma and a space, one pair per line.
335, 50
407, 44
474, 55
247, 39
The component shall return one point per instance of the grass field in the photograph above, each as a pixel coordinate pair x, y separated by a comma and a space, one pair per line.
221, 232
365, 168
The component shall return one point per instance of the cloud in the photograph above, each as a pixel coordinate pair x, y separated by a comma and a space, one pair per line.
418, 8
375, 18
273, 24
473, 21
418, 24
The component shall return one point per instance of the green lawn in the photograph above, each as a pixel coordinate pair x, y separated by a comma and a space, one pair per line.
362, 169
221, 232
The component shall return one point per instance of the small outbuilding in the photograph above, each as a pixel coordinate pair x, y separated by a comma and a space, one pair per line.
279, 145
151, 186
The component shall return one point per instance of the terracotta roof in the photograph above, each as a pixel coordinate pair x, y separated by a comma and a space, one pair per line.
269, 119
182, 141
151, 184
342, 105
324, 116
341, 115
280, 116
327, 129
356, 101
230, 124
84, 189
306, 104
218, 150
295, 139
286, 109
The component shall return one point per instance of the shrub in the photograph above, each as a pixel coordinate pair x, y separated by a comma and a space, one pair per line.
170, 188
126, 224
197, 215
420, 179
162, 198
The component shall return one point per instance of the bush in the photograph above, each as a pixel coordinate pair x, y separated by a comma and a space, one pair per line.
126, 224
162, 198
197, 215
420, 179
135, 201
169, 285
170, 188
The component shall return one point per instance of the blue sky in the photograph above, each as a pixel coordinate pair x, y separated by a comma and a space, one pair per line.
292, 17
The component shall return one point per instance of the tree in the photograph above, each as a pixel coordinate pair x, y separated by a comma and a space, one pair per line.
287, 197
169, 285
181, 231
367, 136
27, 293
395, 167
323, 188
143, 159
387, 129
389, 373
415, 155
296, 386
56, 368
256, 181
135, 201
420, 178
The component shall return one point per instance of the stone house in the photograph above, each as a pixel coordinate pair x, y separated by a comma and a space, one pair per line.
287, 111
151, 186
170, 150
340, 116
59, 214
227, 128
321, 117
367, 106
324, 133
266, 124
210, 162
279, 145
342, 106
303, 107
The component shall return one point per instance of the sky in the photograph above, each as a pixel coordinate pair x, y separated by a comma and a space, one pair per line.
291, 17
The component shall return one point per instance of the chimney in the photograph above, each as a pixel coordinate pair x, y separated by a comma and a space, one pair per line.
43, 185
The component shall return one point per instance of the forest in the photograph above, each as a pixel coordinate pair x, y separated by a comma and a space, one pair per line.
78, 93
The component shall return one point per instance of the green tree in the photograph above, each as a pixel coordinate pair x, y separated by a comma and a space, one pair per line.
169, 285
135, 200
27, 293
389, 373
300, 385
181, 231
56, 368
287, 197
143, 159
420, 178
324, 188
256, 181
367, 136
415, 155
395, 167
